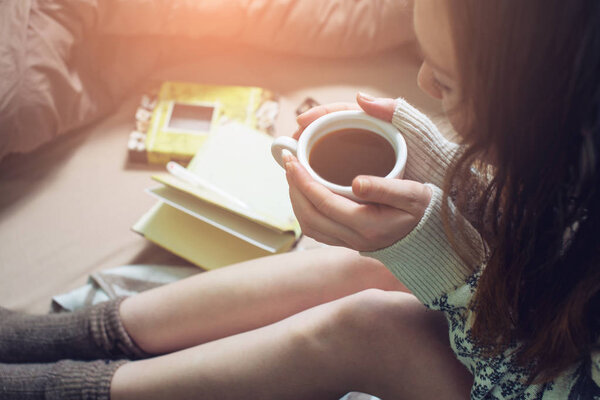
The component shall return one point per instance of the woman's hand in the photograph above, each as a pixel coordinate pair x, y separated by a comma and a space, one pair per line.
393, 207
376, 107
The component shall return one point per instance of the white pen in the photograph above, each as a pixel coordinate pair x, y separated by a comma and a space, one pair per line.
191, 178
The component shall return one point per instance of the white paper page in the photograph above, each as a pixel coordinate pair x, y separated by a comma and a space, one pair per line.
238, 160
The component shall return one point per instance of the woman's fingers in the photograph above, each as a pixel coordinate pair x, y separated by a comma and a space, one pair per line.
387, 195
409, 196
393, 207
382, 108
314, 224
309, 116
334, 219
309, 199
324, 200
378, 107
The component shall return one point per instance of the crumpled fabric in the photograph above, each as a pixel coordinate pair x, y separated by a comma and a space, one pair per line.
306, 27
65, 64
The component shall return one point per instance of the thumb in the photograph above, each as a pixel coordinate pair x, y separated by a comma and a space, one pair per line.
378, 107
409, 196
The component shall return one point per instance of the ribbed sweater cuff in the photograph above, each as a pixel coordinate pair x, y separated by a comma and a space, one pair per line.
429, 153
424, 260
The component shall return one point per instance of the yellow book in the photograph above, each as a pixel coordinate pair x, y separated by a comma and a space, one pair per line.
233, 208
186, 113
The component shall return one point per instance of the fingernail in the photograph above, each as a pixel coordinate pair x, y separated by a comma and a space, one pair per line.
289, 166
366, 97
286, 156
361, 185
300, 118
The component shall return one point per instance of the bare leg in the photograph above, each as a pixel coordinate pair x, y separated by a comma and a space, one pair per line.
246, 296
384, 343
394, 347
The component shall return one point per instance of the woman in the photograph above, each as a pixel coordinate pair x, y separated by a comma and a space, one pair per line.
516, 278
520, 84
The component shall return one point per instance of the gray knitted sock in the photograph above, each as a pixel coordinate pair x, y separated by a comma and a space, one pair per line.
64, 380
88, 334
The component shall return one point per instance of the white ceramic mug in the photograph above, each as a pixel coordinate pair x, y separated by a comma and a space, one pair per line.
336, 121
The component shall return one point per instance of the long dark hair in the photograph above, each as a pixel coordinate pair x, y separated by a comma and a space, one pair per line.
530, 75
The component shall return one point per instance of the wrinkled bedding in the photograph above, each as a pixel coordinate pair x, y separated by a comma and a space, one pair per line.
64, 64
66, 209
307, 27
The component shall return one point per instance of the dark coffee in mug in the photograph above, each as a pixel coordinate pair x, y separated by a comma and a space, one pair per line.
341, 155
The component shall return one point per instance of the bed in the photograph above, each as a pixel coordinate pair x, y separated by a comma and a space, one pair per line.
72, 77
71, 80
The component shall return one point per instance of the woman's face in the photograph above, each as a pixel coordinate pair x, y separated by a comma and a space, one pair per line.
438, 74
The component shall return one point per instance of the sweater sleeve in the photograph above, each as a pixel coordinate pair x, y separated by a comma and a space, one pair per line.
429, 153
425, 260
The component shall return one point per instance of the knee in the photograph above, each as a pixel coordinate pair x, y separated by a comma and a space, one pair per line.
375, 312
366, 324
375, 341
354, 338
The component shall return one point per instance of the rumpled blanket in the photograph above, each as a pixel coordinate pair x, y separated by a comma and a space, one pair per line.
120, 281
64, 64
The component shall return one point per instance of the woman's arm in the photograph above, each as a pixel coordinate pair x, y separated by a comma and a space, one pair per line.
427, 260
402, 224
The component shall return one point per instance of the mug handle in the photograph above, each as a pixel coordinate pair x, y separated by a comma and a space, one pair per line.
283, 143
